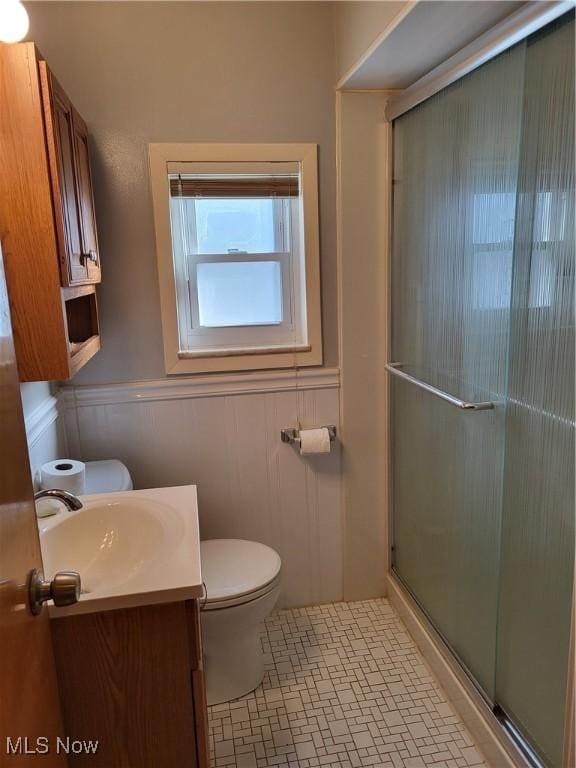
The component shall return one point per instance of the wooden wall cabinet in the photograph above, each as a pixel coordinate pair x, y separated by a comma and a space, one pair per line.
47, 220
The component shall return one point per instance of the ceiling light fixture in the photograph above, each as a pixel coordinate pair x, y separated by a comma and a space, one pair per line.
14, 21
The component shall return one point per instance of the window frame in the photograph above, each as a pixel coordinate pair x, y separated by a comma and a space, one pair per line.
174, 284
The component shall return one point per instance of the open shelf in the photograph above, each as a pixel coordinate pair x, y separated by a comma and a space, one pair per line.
83, 332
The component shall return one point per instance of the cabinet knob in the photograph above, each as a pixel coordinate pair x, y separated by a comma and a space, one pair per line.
90, 256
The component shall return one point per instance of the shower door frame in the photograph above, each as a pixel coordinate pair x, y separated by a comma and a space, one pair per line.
432, 643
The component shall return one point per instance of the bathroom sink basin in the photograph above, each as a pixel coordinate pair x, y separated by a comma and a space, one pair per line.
109, 543
130, 548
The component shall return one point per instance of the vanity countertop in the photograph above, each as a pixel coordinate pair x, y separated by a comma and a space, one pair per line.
132, 548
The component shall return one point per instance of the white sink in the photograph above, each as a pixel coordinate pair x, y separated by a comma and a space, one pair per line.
131, 548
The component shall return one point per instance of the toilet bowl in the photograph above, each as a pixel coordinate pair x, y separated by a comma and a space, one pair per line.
242, 582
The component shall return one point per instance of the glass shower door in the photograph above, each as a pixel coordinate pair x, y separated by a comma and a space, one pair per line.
538, 507
455, 176
483, 281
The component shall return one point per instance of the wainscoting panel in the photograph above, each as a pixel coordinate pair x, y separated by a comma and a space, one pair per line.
227, 442
45, 434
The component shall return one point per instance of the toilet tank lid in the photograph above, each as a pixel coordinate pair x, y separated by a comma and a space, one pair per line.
234, 567
107, 476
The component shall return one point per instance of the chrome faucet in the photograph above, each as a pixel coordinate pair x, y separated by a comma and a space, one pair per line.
70, 501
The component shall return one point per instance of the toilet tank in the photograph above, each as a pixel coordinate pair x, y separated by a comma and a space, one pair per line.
107, 476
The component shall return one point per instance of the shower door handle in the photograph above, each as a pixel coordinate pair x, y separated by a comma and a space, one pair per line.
394, 369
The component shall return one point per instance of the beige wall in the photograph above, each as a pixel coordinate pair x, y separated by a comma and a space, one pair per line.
358, 25
155, 71
34, 394
184, 71
363, 203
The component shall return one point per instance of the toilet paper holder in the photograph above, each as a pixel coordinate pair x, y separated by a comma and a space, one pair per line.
293, 435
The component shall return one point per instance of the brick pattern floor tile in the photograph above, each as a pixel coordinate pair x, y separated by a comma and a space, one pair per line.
345, 687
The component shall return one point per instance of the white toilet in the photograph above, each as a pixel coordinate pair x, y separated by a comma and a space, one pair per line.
107, 477
242, 581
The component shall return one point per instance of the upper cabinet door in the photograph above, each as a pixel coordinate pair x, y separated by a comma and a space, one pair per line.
85, 198
66, 139
60, 142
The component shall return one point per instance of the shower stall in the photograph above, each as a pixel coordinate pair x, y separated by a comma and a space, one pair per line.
482, 376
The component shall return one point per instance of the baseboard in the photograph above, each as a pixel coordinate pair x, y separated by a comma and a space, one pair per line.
487, 732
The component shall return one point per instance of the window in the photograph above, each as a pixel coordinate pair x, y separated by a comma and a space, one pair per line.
237, 243
493, 242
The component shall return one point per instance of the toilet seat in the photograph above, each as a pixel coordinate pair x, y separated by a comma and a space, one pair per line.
236, 572
214, 605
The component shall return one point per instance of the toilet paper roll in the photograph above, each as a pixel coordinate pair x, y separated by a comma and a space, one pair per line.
65, 474
314, 441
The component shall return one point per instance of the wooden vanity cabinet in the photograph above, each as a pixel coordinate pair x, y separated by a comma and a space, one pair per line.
133, 680
47, 219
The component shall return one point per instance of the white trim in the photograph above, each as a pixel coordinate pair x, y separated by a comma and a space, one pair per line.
514, 28
201, 386
223, 351
400, 16
487, 732
160, 156
41, 418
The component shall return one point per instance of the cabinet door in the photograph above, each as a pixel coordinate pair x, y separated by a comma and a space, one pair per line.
85, 198
198, 683
61, 158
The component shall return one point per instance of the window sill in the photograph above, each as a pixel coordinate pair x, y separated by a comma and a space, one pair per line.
234, 352
222, 361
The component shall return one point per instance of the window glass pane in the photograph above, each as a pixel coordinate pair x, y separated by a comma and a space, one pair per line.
235, 293
491, 279
494, 217
550, 216
227, 225
542, 277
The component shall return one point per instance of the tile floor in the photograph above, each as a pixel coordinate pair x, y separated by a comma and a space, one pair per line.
346, 687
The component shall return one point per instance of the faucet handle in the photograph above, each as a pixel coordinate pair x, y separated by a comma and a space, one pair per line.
70, 501
46, 508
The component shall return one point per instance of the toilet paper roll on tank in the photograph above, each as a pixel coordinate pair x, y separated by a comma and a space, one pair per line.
64, 474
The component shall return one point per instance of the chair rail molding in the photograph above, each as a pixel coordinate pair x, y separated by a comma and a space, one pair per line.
190, 387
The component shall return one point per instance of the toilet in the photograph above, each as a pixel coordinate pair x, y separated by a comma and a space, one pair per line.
242, 585
107, 477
